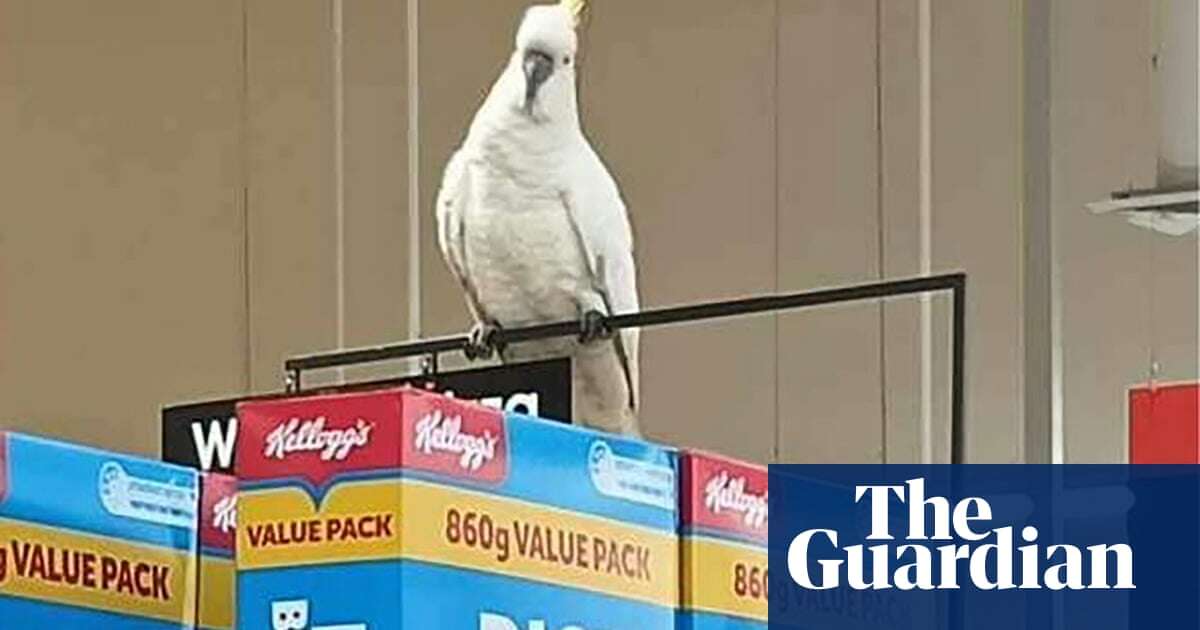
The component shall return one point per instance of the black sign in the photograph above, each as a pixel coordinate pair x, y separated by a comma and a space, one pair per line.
200, 435
203, 435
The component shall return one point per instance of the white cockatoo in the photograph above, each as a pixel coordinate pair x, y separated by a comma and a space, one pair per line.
532, 225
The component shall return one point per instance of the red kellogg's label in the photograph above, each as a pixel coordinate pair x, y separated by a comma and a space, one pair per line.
455, 438
725, 495
218, 511
318, 437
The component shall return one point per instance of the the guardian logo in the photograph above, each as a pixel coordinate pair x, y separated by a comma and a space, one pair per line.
992, 559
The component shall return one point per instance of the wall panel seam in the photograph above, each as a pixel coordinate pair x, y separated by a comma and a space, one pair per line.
412, 17
777, 447
880, 271
339, 173
925, 188
244, 174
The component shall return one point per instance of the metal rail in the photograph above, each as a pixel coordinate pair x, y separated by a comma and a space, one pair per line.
430, 349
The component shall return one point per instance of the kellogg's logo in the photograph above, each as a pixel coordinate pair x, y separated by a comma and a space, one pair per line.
313, 440
727, 493
225, 514
437, 432
725, 496
457, 439
297, 436
218, 509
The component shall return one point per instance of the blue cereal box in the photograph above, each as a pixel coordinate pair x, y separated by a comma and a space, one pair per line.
403, 509
90, 539
723, 543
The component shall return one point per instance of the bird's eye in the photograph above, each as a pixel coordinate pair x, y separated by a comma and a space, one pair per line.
566, 61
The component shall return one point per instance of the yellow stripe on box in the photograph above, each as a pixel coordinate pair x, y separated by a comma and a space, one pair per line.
60, 566
462, 528
485, 532
217, 592
724, 577
281, 527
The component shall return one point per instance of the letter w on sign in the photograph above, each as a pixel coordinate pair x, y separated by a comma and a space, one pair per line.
215, 443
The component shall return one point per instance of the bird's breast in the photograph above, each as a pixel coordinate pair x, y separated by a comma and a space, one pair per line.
522, 252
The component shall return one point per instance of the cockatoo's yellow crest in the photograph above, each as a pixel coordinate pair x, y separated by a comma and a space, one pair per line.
575, 8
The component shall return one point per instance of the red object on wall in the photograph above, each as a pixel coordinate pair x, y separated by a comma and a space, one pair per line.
1164, 424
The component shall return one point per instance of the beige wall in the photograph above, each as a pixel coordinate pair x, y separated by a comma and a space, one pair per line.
292, 232
208, 188
976, 222
1127, 297
328, 252
122, 258
711, 168
828, 214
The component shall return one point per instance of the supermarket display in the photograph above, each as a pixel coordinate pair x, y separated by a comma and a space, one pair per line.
385, 508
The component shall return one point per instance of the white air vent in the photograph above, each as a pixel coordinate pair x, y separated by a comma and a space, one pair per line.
1171, 208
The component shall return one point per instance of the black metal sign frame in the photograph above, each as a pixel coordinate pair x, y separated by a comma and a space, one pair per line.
430, 349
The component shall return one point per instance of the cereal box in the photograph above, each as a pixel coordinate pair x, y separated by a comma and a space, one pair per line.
723, 543
90, 539
403, 509
217, 585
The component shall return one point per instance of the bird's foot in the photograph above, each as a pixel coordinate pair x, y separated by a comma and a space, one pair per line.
593, 327
481, 343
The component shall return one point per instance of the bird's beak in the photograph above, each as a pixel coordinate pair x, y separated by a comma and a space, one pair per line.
538, 67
